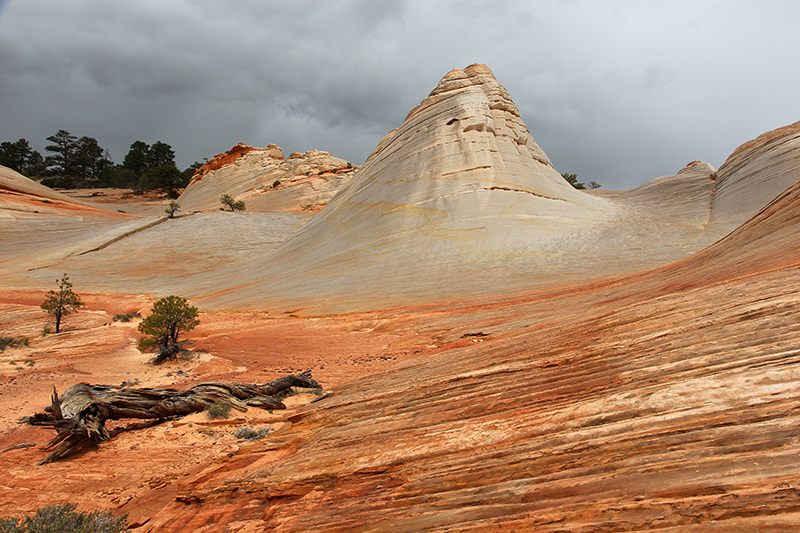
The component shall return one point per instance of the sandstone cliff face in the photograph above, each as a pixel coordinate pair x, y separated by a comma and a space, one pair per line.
266, 180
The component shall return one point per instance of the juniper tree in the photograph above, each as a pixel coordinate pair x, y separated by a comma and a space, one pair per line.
61, 303
169, 317
233, 205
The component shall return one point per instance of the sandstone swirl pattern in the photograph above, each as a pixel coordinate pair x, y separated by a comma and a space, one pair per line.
666, 401
600, 361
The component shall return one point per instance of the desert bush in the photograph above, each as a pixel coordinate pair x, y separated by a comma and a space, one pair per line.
218, 410
64, 519
13, 342
173, 208
247, 433
61, 303
126, 317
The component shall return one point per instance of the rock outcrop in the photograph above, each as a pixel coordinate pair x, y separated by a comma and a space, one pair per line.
460, 184
460, 197
454, 203
755, 173
21, 194
267, 181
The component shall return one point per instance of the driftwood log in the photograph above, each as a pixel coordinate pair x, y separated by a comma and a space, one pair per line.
79, 415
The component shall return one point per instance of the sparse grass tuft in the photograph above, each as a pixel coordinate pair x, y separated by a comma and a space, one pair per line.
13, 342
252, 434
218, 410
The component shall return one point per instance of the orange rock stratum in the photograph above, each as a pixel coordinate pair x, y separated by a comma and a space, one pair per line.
506, 353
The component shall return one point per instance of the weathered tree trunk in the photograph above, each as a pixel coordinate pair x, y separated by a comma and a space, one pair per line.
80, 413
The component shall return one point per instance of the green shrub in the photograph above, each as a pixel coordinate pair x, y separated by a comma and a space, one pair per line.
173, 208
218, 410
64, 519
61, 303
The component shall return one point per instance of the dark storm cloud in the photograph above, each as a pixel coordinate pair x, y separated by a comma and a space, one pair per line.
618, 92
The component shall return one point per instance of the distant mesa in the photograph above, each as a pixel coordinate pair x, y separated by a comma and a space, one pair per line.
267, 181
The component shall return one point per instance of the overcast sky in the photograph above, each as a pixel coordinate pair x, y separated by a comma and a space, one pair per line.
617, 92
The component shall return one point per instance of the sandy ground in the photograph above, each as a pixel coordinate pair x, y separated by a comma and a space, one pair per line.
145, 464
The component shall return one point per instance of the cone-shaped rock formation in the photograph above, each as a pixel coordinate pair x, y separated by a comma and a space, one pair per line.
460, 184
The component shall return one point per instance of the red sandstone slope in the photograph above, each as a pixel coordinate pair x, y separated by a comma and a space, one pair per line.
667, 400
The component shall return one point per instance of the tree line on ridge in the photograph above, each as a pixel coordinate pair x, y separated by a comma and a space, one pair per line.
75, 162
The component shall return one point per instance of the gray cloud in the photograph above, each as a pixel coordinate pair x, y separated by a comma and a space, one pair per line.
617, 92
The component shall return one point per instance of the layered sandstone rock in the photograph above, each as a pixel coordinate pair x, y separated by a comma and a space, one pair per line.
460, 184
665, 400
458, 201
459, 198
267, 181
586, 361
755, 173
21, 194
